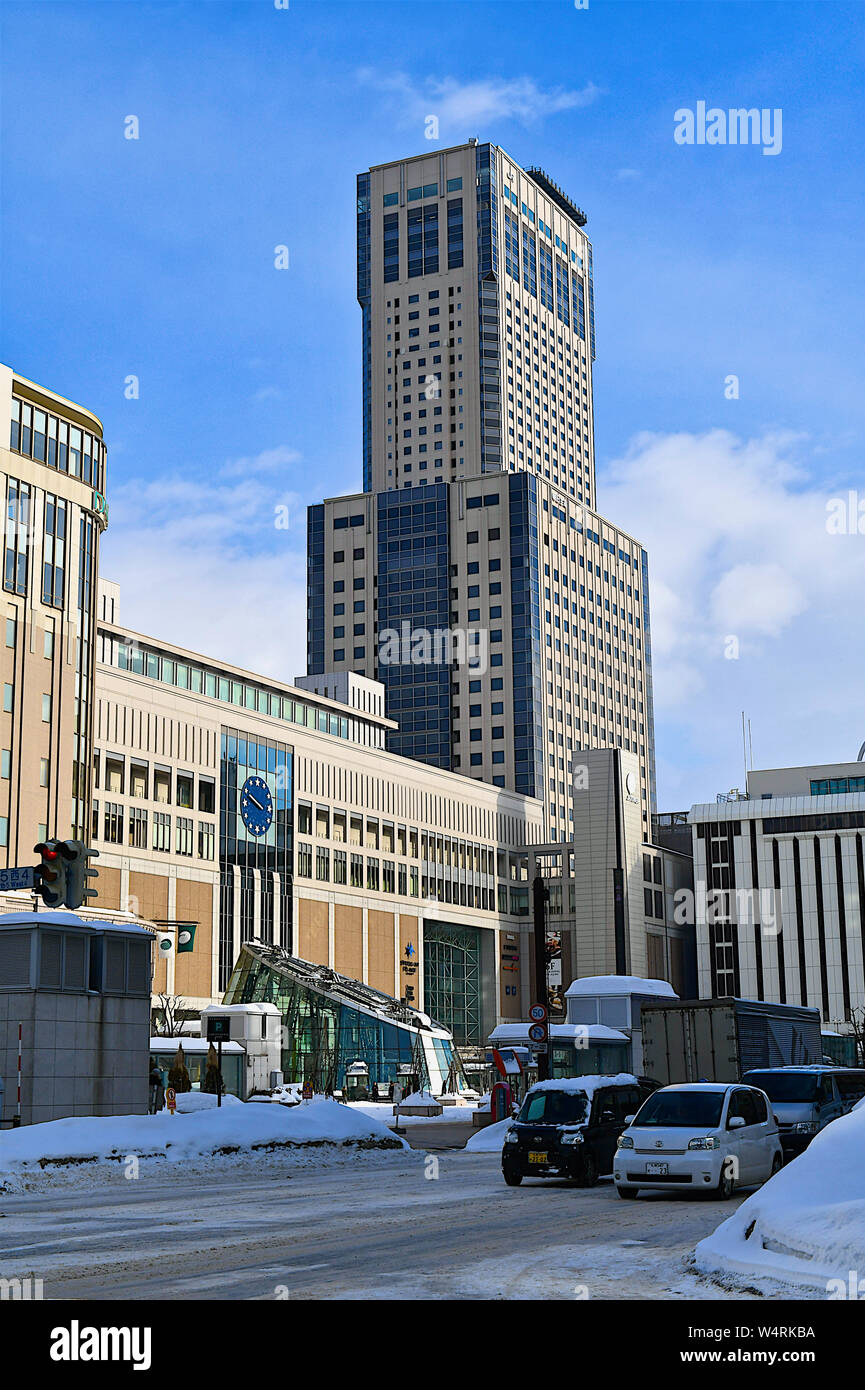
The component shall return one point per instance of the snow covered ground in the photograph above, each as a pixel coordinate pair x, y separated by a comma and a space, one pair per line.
378, 1110
806, 1227
78, 1148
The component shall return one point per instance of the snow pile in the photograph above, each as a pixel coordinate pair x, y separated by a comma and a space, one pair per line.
490, 1139
205, 1134
419, 1098
806, 1226
189, 1102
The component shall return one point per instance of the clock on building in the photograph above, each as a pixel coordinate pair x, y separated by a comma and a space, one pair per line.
256, 805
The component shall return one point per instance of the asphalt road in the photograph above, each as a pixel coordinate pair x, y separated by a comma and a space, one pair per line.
380, 1226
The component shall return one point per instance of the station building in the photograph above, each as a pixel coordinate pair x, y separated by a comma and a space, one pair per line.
779, 890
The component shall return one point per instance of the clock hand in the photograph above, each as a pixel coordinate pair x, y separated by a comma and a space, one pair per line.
254, 802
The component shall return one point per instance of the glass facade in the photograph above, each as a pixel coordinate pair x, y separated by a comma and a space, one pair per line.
254, 869
365, 301
315, 640
331, 1022
526, 628
452, 978
414, 588
488, 311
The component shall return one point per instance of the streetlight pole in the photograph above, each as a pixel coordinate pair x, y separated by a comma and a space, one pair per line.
540, 898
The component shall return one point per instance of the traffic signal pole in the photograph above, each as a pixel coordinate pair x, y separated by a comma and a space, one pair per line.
540, 898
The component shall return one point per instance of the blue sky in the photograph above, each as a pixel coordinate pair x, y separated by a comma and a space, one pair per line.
154, 258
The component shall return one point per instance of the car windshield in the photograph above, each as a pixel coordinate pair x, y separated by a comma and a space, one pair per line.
554, 1108
783, 1086
685, 1109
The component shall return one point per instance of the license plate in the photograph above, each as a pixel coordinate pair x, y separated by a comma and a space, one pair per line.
657, 1170
537, 1158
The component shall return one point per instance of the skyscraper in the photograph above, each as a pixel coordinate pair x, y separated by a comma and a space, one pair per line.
478, 516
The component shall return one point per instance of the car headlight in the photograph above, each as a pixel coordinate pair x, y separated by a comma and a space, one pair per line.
572, 1138
710, 1141
805, 1127
511, 1136
624, 1141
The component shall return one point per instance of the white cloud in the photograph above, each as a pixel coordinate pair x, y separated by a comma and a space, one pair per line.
739, 548
203, 563
474, 104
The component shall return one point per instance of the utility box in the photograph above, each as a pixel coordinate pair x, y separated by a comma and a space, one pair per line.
80, 992
720, 1039
258, 1029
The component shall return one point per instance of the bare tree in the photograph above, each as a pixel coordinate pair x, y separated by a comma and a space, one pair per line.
857, 1026
167, 1016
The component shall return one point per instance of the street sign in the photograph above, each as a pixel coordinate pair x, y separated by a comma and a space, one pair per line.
10, 879
218, 1027
537, 1013
538, 1033
171, 1099
306, 1093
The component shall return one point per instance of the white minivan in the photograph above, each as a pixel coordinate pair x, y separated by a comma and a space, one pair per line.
706, 1137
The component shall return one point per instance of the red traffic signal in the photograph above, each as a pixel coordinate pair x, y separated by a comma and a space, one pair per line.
49, 879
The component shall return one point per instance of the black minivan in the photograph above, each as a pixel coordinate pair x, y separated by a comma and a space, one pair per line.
568, 1128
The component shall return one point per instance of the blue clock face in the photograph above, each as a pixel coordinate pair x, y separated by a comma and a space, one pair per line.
256, 805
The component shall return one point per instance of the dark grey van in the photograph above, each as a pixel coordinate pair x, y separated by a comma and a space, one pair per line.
806, 1099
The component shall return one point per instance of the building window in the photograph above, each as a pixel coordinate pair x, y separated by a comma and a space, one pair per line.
183, 836
113, 826
138, 827
206, 839
17, 537
54, 551
162, 831
304, 861
340, 866
322, 864
46, 709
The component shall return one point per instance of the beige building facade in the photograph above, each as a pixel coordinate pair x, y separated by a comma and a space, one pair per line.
52, 470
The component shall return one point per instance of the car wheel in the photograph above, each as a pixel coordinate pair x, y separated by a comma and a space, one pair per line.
588, 1171
626, 1191
512, 1179
724, 1189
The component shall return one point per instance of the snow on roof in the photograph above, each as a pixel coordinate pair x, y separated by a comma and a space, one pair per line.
68, 919
240, 1009
620, 984
595, 1032
584, 1085
190, 1045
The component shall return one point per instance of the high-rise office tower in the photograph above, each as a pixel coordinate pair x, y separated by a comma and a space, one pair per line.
477, 518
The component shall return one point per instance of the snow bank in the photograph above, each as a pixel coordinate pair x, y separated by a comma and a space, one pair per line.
189, 1102
204, 1134
806, 1226
490, 1139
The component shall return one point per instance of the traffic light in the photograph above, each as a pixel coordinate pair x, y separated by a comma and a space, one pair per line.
50, 876
61, 878
76, 855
